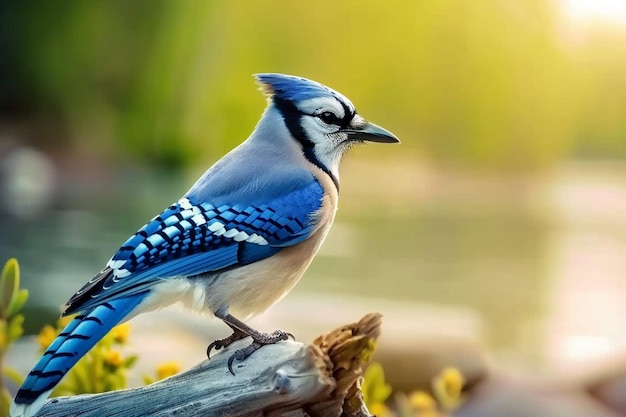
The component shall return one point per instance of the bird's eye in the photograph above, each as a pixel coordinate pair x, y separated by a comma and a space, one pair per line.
329, 118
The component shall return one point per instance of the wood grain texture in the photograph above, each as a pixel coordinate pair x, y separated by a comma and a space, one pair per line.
288, 378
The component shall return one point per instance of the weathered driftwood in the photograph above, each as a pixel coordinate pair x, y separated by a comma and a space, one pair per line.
321, 379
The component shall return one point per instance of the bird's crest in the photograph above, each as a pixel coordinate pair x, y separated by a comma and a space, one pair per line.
295, 89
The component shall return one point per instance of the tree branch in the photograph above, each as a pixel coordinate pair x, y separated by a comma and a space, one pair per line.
321, 379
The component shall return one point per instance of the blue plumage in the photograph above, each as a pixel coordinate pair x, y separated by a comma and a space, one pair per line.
296, 89
188, 239
76, 339
184, 230
237, 241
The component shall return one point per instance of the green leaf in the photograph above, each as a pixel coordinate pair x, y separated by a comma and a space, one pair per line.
130, 361
375, 389
9, 284
18, 302
16, 327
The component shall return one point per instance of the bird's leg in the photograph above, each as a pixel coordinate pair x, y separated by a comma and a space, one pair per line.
225, 342
258, 339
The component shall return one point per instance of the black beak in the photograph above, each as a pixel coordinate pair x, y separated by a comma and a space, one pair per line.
371, 133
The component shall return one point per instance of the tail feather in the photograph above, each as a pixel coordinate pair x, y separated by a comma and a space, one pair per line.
76, 339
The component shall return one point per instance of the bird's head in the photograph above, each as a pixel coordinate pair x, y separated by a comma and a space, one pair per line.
322, 120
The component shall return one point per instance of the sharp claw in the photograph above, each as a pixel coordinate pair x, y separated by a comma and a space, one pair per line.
225, 342
230, 363
214, 345
241, 354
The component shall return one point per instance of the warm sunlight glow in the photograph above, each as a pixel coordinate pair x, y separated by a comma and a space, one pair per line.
591, 11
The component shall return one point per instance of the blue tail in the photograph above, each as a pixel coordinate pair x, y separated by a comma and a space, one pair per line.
76, 339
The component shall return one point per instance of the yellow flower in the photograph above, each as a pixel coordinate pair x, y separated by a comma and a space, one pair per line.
113, 358
46, 336
447, 388
380, 410
120, 333
421, 401
167, 369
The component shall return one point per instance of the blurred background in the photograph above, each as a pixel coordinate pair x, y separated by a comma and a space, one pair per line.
500, 220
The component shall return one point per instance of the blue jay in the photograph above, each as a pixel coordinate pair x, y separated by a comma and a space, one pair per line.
236, 243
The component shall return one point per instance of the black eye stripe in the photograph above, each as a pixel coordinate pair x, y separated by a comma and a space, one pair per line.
329, 118
292, 117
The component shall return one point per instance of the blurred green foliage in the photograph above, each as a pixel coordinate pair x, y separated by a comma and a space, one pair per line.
12, 299
486, 84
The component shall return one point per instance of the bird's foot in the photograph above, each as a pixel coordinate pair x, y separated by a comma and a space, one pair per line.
258, 340
225, 342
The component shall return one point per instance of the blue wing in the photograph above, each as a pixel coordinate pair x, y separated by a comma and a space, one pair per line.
191, 238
